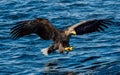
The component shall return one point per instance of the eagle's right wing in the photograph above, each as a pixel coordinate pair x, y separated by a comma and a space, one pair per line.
39, 26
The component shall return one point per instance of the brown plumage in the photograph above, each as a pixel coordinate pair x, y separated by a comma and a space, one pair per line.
47, 31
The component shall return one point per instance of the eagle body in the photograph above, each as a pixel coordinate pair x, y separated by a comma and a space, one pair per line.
61, 38
61, 41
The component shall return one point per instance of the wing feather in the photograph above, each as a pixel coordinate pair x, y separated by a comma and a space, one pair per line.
90, 26
39, 26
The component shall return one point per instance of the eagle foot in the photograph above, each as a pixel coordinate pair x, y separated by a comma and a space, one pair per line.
69, 48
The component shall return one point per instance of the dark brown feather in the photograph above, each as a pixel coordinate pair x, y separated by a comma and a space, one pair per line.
39, 26
91, 26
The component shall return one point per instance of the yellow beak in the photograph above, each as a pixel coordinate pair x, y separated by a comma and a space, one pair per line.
73, 32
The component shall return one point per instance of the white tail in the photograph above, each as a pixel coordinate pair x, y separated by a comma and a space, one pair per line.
45, 51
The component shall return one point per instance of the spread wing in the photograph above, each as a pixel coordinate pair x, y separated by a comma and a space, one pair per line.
39, 26
90, 26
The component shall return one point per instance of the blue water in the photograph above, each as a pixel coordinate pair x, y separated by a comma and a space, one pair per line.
96, 53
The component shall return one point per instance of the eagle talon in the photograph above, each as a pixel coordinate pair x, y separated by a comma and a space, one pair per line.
69, 48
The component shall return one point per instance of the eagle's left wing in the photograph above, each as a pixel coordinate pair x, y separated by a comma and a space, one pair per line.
90, 26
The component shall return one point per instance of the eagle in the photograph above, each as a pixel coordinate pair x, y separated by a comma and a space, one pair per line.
61, 38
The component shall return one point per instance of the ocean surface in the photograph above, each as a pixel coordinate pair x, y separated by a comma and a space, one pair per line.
94, 54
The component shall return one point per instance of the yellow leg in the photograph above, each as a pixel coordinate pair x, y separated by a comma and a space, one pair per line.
69, 48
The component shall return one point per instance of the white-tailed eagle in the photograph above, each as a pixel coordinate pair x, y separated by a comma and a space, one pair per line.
43, 28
